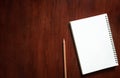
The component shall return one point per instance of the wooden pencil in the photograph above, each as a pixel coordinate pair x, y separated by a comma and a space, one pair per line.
65, 63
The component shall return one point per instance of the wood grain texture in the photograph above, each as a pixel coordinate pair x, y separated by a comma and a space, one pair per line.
31, 33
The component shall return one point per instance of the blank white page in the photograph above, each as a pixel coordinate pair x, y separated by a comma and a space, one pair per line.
94, 43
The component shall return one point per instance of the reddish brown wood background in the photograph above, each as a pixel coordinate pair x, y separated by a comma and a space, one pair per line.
31, 33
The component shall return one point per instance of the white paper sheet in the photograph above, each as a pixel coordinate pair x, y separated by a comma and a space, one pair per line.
94, 43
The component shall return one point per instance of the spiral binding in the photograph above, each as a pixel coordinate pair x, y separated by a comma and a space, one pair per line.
111, 39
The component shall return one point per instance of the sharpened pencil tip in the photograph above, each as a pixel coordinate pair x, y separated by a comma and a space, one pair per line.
63, 40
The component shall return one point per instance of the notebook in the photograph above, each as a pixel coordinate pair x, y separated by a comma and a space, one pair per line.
94, 43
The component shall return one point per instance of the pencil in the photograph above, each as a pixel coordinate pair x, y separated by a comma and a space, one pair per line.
65, 64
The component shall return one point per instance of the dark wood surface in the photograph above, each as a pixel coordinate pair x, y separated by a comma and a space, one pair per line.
31, 33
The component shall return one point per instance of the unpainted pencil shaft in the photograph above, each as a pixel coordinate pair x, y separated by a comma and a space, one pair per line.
65, 63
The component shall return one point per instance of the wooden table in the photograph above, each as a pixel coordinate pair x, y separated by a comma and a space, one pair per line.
31, 33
